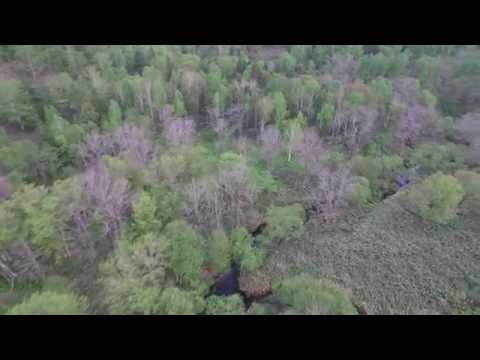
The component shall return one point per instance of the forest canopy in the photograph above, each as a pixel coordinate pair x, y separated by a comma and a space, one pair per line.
239, 180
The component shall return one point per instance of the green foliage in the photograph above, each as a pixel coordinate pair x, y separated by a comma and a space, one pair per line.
286, 63
284, 223
51, 303
361, 193
144, 214
177, 302
38, 216
382, 90
199, 160
379, 170
229, 159
437, 197
167, 204
228, 64
134, 275
279, 109
438, 157
219, 251
326, 115
307, 295
427, 98
425, 68
380, 145
263, 179
56, 126
259, 309
57, 284
114, 116
225, 305
372, 66
356, 98
179, 104
243, 252
16, 105
187, 253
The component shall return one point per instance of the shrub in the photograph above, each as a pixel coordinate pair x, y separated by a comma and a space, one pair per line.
225, 305
284, 222
379, 170
307, 295
259, 309
438, 157
361, 193
51, 303
57, 284
437, 197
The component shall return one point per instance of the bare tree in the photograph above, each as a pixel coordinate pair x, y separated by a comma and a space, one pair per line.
271, 141
95, 146
4, 187
179, 131
327, 190
107, 198
354, 125
312, 150
134, 141
414, 117
222, 200
227, 123
343, 68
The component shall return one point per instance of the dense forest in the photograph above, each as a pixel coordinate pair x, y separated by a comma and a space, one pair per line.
242, 180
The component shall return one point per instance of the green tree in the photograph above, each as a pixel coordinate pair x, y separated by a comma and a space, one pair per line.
361, 193
379, 171
228, 64
375, 65
326, 115
187, 253
16, 105
279, 109
301, 53
219, 251
437, 197
56, 125
243, 251
179, 104
51, 303
286, 63
134, 276
114, 116
438, 157
294, 133
144, 214
425, 68
179, 302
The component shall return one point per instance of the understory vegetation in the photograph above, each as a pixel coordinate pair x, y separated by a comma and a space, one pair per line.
239, 180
